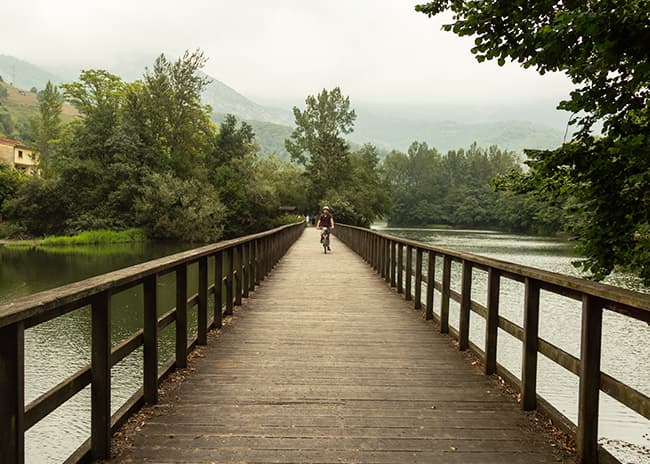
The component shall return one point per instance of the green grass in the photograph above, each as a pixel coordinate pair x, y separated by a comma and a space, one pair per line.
96, 237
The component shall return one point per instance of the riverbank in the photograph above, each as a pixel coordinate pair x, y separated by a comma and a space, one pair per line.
92, 237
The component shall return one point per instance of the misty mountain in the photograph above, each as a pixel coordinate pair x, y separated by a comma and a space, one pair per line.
224, 99
387, 127
25, 75
390, 132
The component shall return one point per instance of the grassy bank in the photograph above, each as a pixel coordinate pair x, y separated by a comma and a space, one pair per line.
96, 237
92, 237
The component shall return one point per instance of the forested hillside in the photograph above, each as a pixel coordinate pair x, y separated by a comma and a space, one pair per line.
18, 107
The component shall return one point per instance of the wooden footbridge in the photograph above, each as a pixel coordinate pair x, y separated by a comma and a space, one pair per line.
326, 362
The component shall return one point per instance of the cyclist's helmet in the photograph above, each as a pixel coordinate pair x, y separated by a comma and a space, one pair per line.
326, 208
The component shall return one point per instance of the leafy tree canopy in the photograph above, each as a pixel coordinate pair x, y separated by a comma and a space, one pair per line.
317, 141
146, 154
602, 47
47, 127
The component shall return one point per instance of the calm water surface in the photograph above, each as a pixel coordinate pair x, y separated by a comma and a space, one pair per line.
56, 349
625, 345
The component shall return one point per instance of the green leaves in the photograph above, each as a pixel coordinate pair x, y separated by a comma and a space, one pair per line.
47, 128
455, 189
317, 141
602, 47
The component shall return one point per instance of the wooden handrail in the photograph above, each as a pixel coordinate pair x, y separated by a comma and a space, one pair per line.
377, 249
618, 299
255, 256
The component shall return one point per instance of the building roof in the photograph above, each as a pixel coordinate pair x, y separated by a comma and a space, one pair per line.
12, 142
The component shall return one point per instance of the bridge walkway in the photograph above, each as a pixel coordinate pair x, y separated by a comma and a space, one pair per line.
326, 364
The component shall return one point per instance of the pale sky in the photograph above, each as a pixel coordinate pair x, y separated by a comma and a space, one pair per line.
377, 51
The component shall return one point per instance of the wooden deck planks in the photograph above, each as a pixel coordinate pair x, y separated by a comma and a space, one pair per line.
326, 364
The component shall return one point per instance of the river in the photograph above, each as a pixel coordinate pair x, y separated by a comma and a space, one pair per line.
56, 349
625, 344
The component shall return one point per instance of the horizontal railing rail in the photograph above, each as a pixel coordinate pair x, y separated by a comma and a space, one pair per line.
392, 258
239, 265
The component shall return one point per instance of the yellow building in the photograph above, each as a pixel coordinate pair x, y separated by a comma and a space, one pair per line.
19, 156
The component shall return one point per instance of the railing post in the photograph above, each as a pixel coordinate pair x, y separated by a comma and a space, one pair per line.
387, 262
417, 304
366, 244
446, 294
218, 290
12, 387
400, 266
261, 259
381, 250
407, 274
465, 306
492, 321
251, 265
256, 262
202, 317
150, 350
245, 267
230, 270
239, 279
181, 316
589, 390
431, 284
375, 253
100, 416
393, 253
530, 346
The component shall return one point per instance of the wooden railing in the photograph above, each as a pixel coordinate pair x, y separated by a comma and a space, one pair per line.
239, 265
392, 258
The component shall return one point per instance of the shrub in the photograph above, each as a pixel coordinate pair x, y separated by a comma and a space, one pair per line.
173, 208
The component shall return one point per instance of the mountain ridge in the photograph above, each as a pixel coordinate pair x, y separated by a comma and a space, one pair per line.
387, 130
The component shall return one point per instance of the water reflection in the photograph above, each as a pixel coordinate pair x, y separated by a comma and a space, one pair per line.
58, 348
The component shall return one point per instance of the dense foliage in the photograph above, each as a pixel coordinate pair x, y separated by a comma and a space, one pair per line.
10, 181
602, 47
46, 128
146, 154
456, 189
346, 181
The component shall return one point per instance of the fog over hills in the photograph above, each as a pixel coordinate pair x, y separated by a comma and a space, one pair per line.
444, 126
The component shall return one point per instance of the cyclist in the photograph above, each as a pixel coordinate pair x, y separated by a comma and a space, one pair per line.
325, 220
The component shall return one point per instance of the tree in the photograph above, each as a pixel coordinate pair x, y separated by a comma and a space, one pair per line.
38, 207
47, 127
232, 142
178, 124
231, 171
363, 197
317, 142
602, 47
181, 209
10, 181
98, 95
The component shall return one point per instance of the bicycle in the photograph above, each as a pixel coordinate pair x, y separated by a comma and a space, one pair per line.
325, 239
